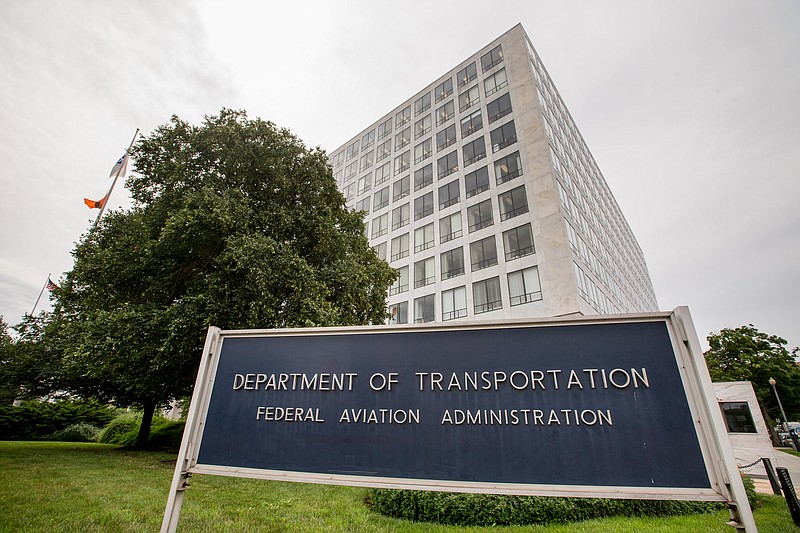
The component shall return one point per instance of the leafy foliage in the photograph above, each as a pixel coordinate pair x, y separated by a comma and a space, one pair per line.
37, 420
81, 432
235, 224
747, 354
487, 510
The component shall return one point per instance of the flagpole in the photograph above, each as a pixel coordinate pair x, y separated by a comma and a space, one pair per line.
116, 176
40, 293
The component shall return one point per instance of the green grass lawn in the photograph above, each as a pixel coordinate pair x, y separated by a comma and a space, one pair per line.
53, 487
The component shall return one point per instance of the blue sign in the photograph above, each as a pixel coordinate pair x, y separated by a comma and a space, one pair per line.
584, 405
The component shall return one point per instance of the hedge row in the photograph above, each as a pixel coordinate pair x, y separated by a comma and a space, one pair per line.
486, 510
35, 420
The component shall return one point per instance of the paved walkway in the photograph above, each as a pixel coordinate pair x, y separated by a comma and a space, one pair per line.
789, 462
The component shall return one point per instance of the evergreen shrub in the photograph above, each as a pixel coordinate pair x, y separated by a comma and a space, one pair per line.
39, 420
486, 509
81, 432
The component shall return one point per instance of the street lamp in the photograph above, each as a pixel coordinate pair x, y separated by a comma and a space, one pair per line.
783, 413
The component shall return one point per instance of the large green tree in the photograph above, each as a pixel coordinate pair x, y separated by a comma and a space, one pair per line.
236, 224
747, 354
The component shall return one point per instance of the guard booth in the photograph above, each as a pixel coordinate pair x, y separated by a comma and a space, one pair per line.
604, 406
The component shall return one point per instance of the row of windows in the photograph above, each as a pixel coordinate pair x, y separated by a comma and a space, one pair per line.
511, 203
466, 99
523, 287
517, 242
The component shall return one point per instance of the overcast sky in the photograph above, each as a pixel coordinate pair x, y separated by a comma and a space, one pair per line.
691, 110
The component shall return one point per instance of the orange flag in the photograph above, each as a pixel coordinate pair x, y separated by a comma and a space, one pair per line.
95, 204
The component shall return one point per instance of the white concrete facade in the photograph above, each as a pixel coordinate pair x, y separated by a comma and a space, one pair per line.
482, 192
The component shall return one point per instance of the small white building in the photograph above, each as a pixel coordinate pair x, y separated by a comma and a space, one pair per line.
747, 430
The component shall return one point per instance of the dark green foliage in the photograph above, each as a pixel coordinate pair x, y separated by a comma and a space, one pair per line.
750, 490
81, 432
37, 420
487, 510
121, 431
166, 434
747, 354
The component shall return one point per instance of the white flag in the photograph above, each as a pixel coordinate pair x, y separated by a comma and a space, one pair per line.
120, 166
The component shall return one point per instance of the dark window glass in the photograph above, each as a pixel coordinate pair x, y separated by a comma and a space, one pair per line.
738, 417
470, 124
467, 74
423, 151
491, 58
422, 126
513, 203
448, 194
477, 181
445, 113
474, 151
499, 108
423, 206
486, 295
446, 137
424, 273
468, 98
452, 263
504, 136
401, 188
507, 168
384, 150
422, 104
447, 165
381, 199
444, 89
479, 215
424, 308
518, 242
385, 128
483, 253
423, 177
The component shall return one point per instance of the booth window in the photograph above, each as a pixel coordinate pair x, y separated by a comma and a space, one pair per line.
738, 418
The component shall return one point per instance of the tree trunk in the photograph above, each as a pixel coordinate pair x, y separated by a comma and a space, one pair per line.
149, 408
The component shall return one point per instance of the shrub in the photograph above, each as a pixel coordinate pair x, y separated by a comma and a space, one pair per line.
122, 430
750, 490
38, 420
485, 509
81, 432
166, 434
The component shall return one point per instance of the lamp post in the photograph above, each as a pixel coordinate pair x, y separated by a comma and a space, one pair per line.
783, 413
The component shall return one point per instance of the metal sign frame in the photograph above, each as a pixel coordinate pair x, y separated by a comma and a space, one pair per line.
717, 455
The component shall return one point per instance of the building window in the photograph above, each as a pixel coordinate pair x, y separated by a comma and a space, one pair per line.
495, 82
454, 303
380, 225
480, 216
380, 250
477, 181
486, 295
401, 216
352, 150
398, 313
474, 151
401, 188
402, 162
401, 283
422, 104
738, 417
384, 150
518, 242
448, 194
467, 74
422, 126
402, 138
400, 249
447, 165
499, 108
471, 123
381, 199
468, 98
492, 58
338, 159
446, 137
524, 287
443, 90
363, 205
367, 160
364, 183
402, 117
423, 238
452, 262
367, 140
350, 170
483, 253
382, 173
385, 129
513, 203
350, 192
504, 136
507, 168
423, 151
450, 227
423, 206
423, 177
424, 308
424, 273
445, 113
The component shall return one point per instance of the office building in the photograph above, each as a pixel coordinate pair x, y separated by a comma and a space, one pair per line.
481, 192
